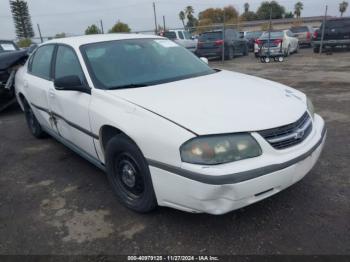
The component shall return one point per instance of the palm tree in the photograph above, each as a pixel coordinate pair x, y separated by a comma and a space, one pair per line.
182, 17
297, 9
342, 7
246, 7
189, 11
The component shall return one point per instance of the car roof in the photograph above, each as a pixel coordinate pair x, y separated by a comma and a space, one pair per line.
77, 41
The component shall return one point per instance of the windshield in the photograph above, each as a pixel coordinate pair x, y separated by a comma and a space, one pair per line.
278, 34
140, 62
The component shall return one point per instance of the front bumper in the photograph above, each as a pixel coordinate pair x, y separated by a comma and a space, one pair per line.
223, 188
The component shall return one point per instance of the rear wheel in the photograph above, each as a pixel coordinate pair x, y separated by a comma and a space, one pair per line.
245, 50
297, 49
287, 53
32, 122
129, 175
230, 53
316, 49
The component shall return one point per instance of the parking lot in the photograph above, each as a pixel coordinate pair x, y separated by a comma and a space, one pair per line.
54, 202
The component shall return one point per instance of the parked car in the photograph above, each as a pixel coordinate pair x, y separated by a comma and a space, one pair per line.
10, 58
182, 37
336, 34
8, 46
251, 38
168, 129
210, 44
304, 34
280, 41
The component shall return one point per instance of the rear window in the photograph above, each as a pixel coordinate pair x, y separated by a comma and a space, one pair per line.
341, 24
253, 34
6, 46
299, 29
210, 36
170, 35
265, 35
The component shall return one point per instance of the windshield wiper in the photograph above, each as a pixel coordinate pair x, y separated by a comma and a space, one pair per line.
127, 86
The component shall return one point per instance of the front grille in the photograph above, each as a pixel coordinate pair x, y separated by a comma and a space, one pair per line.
289, 135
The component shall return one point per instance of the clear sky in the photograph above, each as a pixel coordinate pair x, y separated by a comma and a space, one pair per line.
73, 16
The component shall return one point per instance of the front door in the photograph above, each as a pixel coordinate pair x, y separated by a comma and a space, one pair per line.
71, 108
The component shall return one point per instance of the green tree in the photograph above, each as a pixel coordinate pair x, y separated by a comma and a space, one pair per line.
60, 35
263, 12
21, 18
24, 42
191, 19
249, 16
298, 7
182, 17
216, 15
246, 7
342, 7
189, 11
92, 30
120, 27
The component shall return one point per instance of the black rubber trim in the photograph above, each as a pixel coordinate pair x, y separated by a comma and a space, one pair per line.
236, 177
81, 129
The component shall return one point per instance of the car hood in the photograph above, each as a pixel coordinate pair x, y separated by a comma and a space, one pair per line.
222, 102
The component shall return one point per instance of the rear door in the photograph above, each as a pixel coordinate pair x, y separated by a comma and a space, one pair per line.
38, 82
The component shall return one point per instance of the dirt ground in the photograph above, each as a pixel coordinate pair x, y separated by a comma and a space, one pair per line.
54, 202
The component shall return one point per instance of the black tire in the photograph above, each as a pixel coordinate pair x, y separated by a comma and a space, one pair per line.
129, 175
245, 50
297, 49
316, 49
32, 122
287, 52
230, 53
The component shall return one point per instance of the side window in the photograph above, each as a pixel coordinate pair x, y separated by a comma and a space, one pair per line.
41, 63
181, 36
67, 63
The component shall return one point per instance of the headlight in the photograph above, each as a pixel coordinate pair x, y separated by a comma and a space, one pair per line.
310, 108
219, 149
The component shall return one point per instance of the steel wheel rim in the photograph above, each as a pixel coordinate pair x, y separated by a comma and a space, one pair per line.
128, 177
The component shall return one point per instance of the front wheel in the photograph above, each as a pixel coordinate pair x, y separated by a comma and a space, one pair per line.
129, 175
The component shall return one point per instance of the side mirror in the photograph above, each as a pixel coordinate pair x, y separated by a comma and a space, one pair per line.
204, 59
71, 83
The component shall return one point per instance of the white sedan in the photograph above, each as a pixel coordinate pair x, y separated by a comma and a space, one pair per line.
168, 129
283, 42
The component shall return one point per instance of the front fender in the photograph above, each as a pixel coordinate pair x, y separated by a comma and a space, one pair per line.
158, 138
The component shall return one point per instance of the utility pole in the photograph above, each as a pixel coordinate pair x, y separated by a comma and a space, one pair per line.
41, 38
164, 23
323, 28
155, 17
101, 23
223, 38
